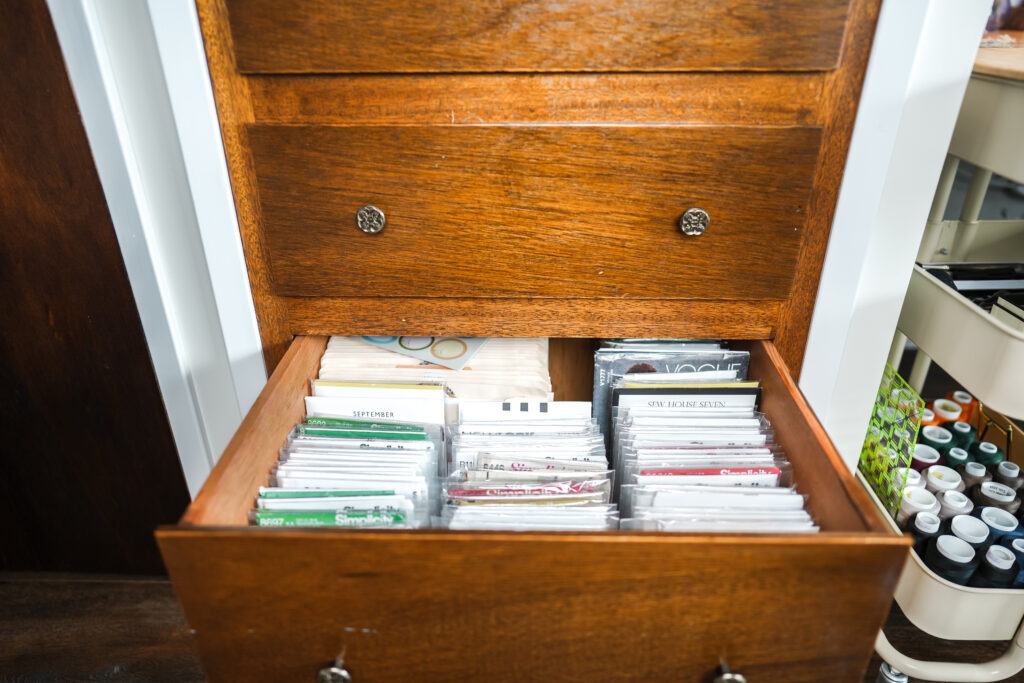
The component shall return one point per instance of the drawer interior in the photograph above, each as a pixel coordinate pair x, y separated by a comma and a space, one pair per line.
835, 499
279, 604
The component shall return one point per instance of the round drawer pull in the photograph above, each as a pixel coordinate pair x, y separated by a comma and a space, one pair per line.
731, 678
694, 221
333, 674
370, 219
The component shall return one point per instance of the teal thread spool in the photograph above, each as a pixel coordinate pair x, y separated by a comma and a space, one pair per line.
963, 433
986, 452
938, 438
957, 456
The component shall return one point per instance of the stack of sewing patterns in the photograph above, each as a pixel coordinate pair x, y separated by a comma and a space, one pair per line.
528, 466
617, 358
372, 446
691, 452
354, 473
469, 369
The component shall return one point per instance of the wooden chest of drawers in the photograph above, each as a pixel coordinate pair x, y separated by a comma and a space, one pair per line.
533, 159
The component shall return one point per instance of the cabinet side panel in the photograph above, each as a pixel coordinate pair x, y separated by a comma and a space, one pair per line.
839, 107
234, 108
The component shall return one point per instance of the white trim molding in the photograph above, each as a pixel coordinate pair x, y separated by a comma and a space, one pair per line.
920, 62
204, 348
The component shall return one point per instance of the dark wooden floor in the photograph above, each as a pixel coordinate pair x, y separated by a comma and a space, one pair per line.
69, 628
74, 628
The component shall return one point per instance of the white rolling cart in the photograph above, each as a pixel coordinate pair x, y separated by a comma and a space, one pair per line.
983, 354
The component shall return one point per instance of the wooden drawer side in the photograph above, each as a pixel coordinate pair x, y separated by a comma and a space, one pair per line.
228, 493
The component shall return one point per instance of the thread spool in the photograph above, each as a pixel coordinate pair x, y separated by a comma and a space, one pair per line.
953, 503
925, 456
968, 404
946, 409
938, 438
928, 417
972, 530
951, 558
998, 569
938, 478
963, 433
999, 522
916, 500
1016, 546
1008, 473
997, 495
957, 456
923, 526
973, 473
908, 478
986, 452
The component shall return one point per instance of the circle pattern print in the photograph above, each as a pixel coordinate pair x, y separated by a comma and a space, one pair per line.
415, 343
447, 349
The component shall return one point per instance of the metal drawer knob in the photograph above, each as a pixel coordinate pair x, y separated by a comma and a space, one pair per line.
694, 221
731, 678
370, 219
333, 674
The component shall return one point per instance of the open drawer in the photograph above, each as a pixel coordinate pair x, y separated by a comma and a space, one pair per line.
432, 604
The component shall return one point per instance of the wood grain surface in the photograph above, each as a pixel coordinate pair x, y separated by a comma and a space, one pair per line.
378, 36
314, 37
839, 102
568, 211
59, 628
230, 489
1002, 62
234, 109
526, 316
479, 606
89, 461
740, 99
571, 365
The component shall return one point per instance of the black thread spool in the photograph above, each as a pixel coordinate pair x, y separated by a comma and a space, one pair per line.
971, 530
923, 526
998, 569
951, 558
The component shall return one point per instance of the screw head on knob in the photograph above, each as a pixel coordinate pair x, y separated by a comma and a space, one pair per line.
694, 221
370, 219
333, 674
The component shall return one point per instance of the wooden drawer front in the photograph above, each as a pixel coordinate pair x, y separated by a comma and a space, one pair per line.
482, 211
376, 36
277, 606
